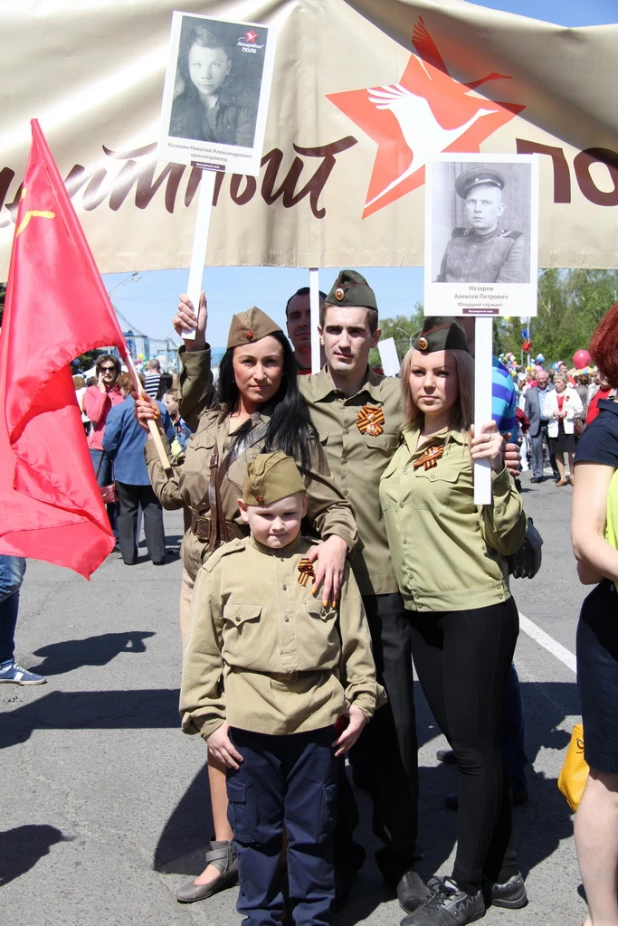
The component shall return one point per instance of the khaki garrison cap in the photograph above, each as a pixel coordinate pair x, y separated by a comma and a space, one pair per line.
440, 333
250, 326
271, 476
351, 290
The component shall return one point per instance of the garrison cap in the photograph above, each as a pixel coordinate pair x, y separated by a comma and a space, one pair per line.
475, 176
352, 290
250, 326
440, 333
271, 476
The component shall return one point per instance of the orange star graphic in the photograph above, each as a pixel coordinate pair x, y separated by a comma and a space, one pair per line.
428, 112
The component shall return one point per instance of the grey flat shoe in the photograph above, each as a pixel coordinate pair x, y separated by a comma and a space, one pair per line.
222, 855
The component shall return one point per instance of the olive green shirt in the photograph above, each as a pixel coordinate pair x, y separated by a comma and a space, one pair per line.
448, 553
262, 652
328, 511
357, 461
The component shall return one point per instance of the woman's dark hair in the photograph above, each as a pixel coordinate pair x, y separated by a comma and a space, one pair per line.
290, 428
105, 358
166, 382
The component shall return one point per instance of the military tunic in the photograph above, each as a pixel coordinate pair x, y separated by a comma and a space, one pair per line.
329, 512
448, 553
472, 258
264, 654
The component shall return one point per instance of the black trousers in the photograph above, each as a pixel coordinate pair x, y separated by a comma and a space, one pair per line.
387, 752
463, 660
130, 498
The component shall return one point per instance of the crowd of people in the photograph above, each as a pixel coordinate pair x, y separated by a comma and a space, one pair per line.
332, 541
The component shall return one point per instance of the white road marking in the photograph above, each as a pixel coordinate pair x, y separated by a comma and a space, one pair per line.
552, 646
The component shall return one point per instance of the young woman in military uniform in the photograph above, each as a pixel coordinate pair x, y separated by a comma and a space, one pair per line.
258, 409
449, 558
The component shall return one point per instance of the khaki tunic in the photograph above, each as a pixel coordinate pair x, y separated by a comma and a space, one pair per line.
328, 511
494, 258
264, 655
356, 460
447, 552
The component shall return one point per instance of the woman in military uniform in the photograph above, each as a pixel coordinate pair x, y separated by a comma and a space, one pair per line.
258, 409
449, 558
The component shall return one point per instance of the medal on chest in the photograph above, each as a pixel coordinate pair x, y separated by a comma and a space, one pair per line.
370, 421
305, 568
430, 458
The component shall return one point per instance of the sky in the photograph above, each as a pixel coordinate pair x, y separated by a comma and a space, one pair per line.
148, 300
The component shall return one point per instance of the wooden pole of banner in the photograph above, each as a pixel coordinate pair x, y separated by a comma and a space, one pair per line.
314, 302
152, 425
482, 402
200, 241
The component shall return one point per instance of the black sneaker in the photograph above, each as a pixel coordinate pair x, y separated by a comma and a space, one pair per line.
412, 892
511, 894
449, 906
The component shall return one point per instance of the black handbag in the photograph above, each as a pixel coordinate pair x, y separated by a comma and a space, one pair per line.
526, 562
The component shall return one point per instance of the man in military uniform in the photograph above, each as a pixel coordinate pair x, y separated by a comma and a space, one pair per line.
483, 252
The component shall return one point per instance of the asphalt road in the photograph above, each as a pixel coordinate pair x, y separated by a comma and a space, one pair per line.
104, 804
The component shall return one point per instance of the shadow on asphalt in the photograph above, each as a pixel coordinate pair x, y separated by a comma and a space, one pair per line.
22, 847
91, 651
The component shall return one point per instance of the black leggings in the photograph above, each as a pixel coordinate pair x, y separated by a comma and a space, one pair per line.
463, 659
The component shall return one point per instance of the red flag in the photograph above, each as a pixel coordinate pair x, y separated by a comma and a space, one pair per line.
56, 309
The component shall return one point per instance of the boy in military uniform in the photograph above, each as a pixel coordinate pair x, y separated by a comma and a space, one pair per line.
268, 673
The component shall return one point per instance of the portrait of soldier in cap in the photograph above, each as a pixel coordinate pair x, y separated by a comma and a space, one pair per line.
483, 250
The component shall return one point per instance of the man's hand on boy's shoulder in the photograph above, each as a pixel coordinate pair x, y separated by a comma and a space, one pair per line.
356, 721
222, 748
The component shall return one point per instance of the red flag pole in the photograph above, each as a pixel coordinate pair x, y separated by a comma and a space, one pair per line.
152, 425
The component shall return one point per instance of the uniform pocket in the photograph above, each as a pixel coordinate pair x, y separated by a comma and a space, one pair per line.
327, 813
238, 614
315, 610
433, 488
241, 811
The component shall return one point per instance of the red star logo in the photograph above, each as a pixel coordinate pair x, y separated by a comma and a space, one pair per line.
250, 37
428, 112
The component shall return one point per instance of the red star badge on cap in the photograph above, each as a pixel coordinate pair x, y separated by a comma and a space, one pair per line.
428, 112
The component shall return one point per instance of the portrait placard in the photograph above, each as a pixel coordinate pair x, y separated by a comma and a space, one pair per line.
481, 235
216, 93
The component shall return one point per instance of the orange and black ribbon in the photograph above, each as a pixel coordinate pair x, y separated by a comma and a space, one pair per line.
305, 568
430, 458
370, 421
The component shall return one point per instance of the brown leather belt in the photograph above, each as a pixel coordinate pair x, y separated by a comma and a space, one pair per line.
202, 527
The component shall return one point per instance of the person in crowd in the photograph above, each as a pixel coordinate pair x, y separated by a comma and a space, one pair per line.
124, 442
594, 534
152, 377
582, 378
280, 753
12, 569
561, 406
604, 391
258, 408
97, 403
182, 431
208, 109
80, 387
449, 558
534, 409
358, 414
298, 323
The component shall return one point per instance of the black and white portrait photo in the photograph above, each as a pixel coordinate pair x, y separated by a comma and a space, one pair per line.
216, 92
481, 228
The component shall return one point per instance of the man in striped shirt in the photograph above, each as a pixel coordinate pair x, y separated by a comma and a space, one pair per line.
153, 377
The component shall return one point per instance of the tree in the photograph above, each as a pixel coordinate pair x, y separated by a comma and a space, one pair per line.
570, 305
402, 329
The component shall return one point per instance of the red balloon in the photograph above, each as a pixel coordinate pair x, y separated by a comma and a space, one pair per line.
581, 359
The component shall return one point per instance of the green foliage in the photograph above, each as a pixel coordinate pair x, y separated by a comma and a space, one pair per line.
401, 328
570, 305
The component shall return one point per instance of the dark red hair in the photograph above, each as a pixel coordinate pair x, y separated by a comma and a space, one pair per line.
604, 346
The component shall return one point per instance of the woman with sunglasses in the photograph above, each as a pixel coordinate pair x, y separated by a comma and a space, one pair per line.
97, 403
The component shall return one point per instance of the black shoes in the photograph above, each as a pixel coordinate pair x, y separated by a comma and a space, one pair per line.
448, 906
511, 894
412, 892
537, 479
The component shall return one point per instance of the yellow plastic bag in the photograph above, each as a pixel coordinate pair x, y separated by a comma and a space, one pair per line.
574, 772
